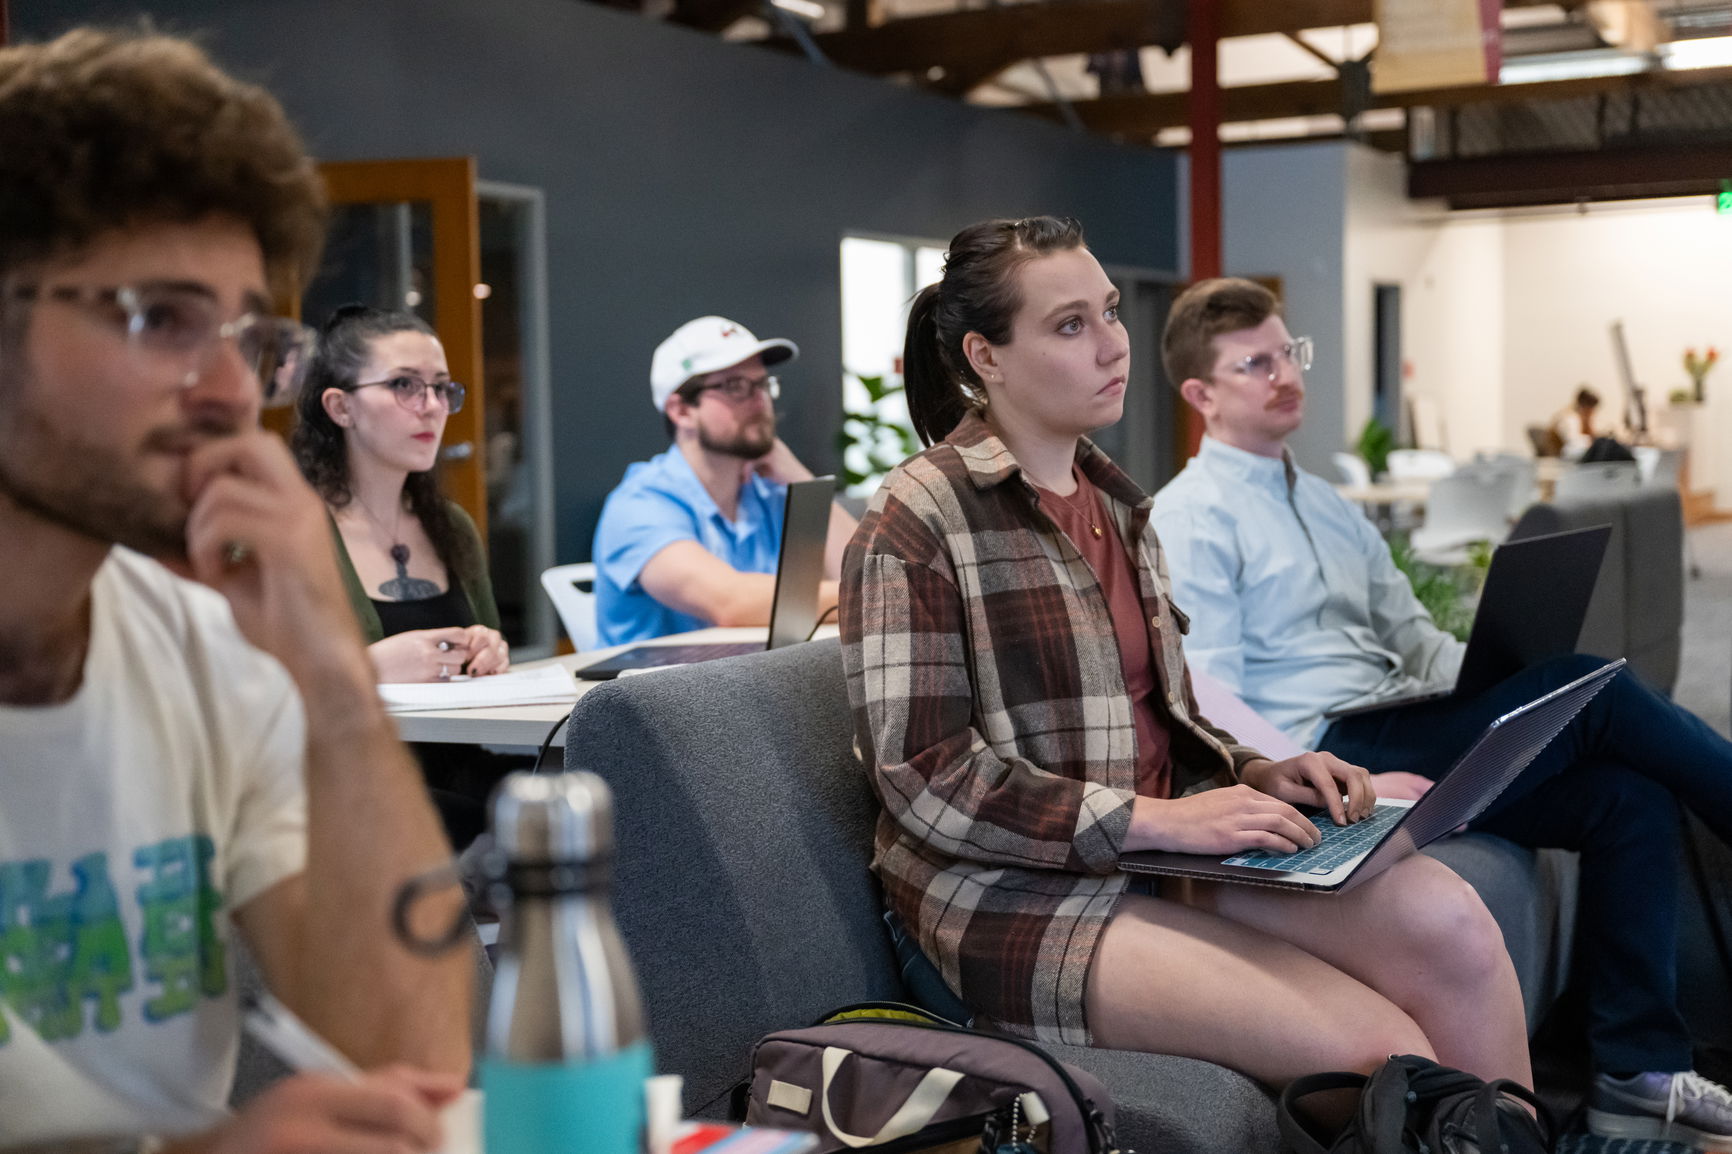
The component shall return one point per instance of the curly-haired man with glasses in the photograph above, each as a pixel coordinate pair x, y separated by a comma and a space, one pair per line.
690, 538
190, 742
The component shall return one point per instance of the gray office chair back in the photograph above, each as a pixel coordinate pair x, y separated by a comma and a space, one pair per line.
1637, 609
745, 830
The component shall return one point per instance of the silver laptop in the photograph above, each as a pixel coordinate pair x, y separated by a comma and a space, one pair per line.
1532, 607
1350, 854
793, 608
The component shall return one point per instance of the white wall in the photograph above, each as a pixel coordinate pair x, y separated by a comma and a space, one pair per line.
1451, 274
1455, 332
1504, 315
1660, 266
1388, 240
1282, 215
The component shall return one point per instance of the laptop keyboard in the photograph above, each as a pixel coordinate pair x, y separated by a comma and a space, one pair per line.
1340, 843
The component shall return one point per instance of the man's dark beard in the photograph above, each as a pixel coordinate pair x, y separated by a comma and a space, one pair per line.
81, 487
749, 443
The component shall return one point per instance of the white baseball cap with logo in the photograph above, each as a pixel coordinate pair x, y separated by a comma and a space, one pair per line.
705, 346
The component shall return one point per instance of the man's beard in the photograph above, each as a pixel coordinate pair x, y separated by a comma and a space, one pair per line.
84, 487
749, 443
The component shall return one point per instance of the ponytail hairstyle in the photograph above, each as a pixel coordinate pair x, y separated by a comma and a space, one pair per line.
978, 293
320, 444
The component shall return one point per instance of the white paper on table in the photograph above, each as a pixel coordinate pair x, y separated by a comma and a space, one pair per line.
550, 684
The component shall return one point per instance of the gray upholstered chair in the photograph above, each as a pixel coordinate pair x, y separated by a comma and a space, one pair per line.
744, 830
1638, 606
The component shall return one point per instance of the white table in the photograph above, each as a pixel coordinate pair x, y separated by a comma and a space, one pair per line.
1387, 492
527, 725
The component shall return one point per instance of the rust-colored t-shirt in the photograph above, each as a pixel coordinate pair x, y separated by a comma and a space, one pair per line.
1084, 519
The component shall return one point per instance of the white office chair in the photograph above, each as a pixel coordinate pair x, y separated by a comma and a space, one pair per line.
1353, 469
1523, 473
1597, 481
1419, 464
572, 591
1464, 507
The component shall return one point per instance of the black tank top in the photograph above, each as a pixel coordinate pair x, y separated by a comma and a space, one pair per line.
441, 611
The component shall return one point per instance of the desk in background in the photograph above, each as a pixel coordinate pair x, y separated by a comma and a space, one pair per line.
1387, 492
527, 725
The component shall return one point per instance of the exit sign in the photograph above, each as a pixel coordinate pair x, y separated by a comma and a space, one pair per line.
1723, 202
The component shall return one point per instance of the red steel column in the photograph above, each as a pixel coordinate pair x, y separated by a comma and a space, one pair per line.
1204, 107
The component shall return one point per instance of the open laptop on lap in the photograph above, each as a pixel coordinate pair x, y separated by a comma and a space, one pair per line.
1350, 854
1532, 607
793, 609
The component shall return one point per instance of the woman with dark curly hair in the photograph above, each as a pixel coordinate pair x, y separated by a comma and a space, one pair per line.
372, 412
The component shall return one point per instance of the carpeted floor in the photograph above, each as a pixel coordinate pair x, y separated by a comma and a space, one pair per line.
1705, 668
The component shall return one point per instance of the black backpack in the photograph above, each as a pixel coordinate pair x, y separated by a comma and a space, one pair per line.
1412, 1105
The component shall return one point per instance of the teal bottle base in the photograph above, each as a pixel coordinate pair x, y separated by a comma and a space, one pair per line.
589, 1107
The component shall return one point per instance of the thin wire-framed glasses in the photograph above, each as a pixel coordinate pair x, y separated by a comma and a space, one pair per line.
179, 325
737, 389
1267, 366
413, 392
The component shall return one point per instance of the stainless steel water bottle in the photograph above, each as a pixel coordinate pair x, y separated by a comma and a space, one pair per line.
566, 1054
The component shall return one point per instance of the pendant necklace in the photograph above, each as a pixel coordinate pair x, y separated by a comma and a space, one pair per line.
402, 587
1088, 511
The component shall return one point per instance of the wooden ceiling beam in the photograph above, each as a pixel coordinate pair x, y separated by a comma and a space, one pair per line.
984, 41
1568, 178
1141, 116
987, 40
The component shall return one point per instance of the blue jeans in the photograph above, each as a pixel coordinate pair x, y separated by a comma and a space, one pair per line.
1609, 787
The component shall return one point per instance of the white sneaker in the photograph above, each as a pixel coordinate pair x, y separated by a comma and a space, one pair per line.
1683, 1107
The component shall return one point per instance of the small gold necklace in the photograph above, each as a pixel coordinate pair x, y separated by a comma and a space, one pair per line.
1086, 509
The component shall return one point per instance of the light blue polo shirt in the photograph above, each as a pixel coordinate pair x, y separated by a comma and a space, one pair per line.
661, 501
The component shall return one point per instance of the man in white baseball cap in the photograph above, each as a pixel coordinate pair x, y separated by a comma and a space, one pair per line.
690, 538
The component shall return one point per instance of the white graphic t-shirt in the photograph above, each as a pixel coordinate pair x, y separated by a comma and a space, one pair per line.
135, 818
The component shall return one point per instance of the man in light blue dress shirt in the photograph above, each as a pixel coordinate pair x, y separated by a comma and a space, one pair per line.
692, 537
1295, 604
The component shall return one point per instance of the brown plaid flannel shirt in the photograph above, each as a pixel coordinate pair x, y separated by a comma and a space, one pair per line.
990, 708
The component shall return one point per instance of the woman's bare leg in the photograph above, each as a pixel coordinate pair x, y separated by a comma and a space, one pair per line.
1420, 937
1172, 979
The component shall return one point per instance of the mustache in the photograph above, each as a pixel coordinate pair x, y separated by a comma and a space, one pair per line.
184, 438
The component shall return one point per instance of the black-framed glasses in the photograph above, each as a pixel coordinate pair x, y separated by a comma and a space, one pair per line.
181, 324
412, 392
1267, 366
737, 389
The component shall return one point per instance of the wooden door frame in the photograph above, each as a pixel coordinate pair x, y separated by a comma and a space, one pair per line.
447, 184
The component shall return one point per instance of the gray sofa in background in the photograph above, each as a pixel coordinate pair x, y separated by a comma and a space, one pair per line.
1637, 611
745, 830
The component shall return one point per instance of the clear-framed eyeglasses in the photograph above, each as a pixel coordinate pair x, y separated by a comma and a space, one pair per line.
738, 389
180, 328
1267, 366
415, 394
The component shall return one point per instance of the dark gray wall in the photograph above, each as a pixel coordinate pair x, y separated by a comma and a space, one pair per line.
683, 176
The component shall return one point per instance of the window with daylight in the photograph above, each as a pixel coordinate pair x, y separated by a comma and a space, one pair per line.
879, 279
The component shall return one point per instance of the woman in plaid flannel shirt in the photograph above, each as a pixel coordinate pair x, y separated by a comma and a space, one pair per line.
1020, 693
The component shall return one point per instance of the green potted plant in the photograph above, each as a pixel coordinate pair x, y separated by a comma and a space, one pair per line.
1697, 366
1375, 441
871, 442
